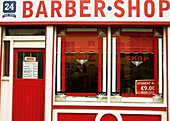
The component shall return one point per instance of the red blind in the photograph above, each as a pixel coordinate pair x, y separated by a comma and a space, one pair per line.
136, 44
81, 44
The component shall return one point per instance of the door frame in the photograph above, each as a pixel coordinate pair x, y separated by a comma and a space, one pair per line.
15, 73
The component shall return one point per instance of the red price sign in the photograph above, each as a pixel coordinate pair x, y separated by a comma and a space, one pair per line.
145, 87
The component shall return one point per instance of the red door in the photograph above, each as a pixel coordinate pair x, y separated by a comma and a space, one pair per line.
28, 85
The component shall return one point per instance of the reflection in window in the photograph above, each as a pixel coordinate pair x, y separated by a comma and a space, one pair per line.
81, 72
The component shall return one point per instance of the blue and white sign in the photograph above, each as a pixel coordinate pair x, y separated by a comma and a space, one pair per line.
9, 9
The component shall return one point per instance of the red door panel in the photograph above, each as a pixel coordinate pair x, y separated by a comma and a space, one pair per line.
28, 94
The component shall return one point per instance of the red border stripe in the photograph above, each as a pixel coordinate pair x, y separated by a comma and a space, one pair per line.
87, 23
111, 108
82, 94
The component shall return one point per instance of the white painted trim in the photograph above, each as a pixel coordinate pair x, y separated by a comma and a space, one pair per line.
55, 62
25, 38
5, 78
122, 104
160, 64
11, 79
168, 70
165, 65
109, 66
30, 44
114, 64
48, 77
59, 65
104, 65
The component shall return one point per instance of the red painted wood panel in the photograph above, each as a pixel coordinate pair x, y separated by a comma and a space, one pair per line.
107, 117
28, 97
140, 117
28, 103
76, 117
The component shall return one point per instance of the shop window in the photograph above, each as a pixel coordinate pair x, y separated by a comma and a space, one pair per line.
25, 30
6, 55
138, 61
81, 62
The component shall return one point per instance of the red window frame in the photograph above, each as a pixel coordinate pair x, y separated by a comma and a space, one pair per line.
149, 34
100, 49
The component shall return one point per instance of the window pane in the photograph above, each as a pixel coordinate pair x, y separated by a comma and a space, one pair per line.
81, 72
25, 30
20, 64
135, 67
6, 58
138, 68
81, 64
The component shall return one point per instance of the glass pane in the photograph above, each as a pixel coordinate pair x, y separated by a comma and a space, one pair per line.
27, 68
82, 58
81, 72
137, 65
25, 30
6, 58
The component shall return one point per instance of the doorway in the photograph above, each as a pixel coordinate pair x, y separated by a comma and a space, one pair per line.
29, 85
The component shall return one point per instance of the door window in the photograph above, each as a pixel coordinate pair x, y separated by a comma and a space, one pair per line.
30, 65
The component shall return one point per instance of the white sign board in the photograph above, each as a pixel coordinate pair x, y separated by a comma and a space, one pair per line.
30, 70
73, 11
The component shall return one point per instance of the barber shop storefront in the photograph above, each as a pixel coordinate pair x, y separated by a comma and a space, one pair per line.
88, 60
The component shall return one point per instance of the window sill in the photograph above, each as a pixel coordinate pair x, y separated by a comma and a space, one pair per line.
64, 98
113, 99
153, 99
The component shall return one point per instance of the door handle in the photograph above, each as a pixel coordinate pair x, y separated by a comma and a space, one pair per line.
43, 87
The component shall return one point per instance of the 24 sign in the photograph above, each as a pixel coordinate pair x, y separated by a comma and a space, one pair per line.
9, 8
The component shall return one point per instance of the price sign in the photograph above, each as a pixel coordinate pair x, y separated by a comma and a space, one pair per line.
30, 70
145, 87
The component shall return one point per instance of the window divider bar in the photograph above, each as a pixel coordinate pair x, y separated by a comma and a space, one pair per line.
59, 65
109, 66
118, 63
104, 64
55, 62
114, 64
160, 64
63, 64
156, 64
100, 65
